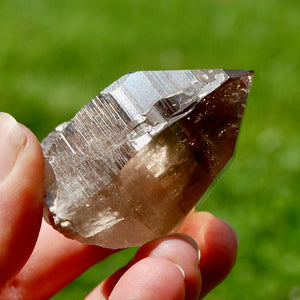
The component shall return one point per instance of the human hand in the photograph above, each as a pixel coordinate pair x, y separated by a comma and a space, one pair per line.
36, 261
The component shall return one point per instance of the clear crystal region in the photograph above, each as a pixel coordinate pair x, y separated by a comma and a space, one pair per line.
134, 160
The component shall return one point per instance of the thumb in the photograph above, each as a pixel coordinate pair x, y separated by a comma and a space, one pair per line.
21, 192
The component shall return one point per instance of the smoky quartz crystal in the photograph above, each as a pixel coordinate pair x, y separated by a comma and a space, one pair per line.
135, 160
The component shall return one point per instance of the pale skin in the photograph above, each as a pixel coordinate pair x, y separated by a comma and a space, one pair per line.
36, 261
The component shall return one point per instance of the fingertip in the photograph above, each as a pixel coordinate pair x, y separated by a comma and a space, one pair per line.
151, 278
182, 250
21, 193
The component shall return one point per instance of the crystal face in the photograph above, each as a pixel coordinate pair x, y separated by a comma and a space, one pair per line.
135, 159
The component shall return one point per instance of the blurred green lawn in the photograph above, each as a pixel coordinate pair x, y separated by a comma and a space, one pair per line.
55, 55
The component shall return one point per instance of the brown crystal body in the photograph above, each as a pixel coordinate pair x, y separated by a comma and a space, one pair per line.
159, 183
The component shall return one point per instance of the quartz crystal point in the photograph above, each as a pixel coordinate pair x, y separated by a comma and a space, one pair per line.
134, 160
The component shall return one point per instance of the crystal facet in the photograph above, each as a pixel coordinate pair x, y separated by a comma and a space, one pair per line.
135, 159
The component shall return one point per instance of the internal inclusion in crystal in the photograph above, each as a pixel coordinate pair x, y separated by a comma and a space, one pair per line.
159, 162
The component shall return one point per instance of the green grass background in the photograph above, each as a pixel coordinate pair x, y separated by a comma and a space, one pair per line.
55, 55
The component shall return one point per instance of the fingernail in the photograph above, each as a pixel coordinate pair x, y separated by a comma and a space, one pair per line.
192, 242
12, 140
175, 247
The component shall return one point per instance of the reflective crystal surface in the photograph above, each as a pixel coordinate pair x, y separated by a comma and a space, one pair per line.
134, 160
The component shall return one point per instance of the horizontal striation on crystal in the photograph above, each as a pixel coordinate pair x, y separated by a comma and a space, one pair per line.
135, 159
